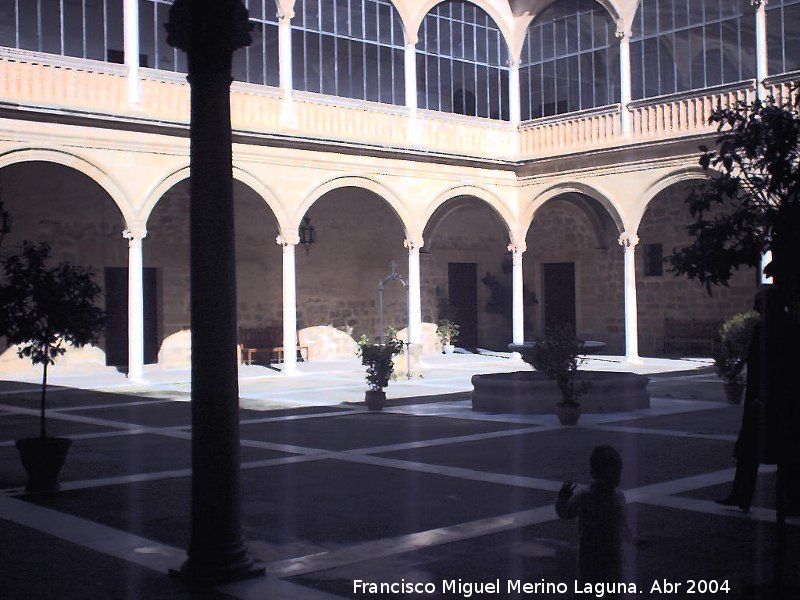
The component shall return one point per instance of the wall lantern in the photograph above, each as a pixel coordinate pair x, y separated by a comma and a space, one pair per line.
308, 235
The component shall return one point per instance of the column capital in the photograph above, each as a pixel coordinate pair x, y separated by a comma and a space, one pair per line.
517, 248
759, 3
285, 15
413, 244
134, 234
284, 241
411, 41
628, 240
621, 33
514, 62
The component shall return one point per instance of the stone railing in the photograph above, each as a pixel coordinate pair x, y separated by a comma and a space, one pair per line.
685, 113
570, 132
98, 89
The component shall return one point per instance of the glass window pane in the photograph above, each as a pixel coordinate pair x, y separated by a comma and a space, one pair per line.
328, 66
73, 30
51, 28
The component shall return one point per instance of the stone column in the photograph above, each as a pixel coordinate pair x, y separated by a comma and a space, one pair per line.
131, 42
514, 99
624, 80
285, 65
410, 73
628, 242
289, 305
414, 294
209, 31
518, 304
135, 304
761, 47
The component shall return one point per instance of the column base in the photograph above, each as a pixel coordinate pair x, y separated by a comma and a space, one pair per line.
634, 360
224, 567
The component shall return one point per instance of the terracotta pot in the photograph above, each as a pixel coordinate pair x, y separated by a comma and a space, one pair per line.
375, 399
734, 392
568, 413
43, 459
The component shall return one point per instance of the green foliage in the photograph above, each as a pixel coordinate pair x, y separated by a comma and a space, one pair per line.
751, 201
557, 355
735, 335
447, 331
378, 359
43, 308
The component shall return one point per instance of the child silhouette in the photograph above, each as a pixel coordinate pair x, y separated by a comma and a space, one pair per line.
602, 517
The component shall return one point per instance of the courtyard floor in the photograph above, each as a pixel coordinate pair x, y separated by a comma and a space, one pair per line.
425, 492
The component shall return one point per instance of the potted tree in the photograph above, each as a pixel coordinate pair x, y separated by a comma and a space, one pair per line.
447, 331
557, 355
42, 309
378, 360
730, 359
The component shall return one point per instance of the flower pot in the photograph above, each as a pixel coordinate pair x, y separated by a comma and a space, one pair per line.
734, 392
375, 399
43, 459
448, 348
568, 413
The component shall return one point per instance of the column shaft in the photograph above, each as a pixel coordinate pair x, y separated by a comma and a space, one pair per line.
518, 305
289, 310
761, 48
411, 76
628, 243
514, 99
285, 64
414, 296
135, 307
625, 81
131, 42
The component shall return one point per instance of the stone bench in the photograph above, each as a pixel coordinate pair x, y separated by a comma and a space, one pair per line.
691, 337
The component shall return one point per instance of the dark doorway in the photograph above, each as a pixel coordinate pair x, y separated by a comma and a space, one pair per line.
559, 296
116, 291
462, 283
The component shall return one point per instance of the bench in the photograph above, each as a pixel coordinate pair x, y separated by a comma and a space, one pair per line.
267, 341
691, 337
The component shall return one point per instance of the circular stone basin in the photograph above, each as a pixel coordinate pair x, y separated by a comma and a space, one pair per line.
588, 347
531, 392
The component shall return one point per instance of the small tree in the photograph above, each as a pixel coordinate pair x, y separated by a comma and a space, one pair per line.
378, 359
735, 335
43, 308
751, 201
557, 355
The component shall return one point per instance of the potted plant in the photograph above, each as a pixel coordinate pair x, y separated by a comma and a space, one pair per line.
557, 355
730, 359
378, 360
42, 309
447, 331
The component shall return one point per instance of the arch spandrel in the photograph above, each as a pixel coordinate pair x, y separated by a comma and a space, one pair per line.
605, 200
157, 192
80, 164
373, 185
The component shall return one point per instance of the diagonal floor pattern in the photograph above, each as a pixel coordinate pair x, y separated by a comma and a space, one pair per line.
426, 492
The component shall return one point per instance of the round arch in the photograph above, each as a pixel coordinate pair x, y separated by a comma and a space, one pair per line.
576, 188
372, 185
239, 174
661, 184
486, 196
78, 163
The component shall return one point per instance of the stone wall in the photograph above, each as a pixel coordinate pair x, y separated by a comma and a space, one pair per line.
562, 231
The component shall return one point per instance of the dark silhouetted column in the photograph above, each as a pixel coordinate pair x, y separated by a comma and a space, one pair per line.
209, 31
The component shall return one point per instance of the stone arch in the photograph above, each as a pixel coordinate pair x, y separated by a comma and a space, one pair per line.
78, 163
501, 19
486, 196
367, 183
595, 194
162, 187
661, 184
